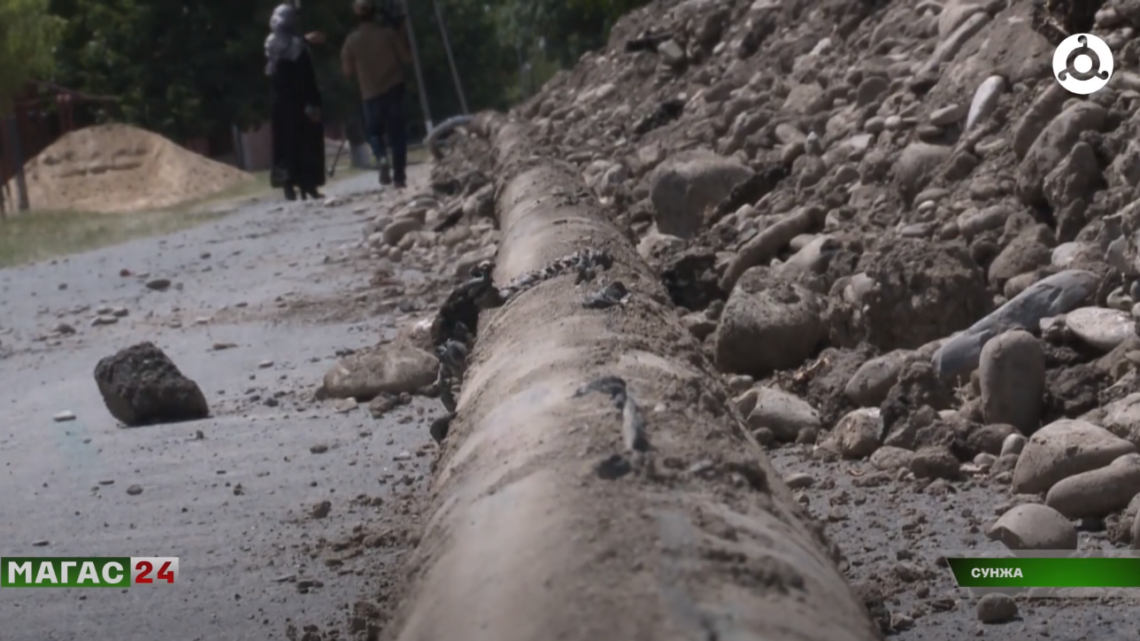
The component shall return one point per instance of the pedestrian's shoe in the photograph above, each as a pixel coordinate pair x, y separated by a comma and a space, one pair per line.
314, 194
385, 172
290, 193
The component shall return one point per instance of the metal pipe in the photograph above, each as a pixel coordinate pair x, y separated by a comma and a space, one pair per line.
419, 72
450, 57
432, 140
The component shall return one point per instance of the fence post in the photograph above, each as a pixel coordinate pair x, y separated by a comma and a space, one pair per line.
239, 149
18, 164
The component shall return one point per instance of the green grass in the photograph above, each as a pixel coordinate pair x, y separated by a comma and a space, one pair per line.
41, 235
27, 237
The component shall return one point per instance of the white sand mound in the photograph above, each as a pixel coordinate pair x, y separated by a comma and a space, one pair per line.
120, 169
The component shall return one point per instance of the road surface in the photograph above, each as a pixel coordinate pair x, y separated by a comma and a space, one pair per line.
236, 497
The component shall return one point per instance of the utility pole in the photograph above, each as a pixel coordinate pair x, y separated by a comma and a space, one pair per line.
450, 57
18, 163
419, 72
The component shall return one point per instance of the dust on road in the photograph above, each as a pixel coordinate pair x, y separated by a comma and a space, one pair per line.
282, 509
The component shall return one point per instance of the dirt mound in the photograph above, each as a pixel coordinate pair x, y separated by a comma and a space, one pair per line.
120, 169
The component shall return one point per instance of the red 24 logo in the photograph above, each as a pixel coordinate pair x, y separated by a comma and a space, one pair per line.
146, 567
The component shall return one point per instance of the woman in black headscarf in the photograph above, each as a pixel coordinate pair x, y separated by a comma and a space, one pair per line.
298, 135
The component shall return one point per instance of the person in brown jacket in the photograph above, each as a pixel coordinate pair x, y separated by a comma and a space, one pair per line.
375, 54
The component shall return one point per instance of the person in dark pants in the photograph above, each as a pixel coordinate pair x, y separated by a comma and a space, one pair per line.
298, 135
375, 54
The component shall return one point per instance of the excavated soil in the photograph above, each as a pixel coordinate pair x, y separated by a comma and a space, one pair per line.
122, 169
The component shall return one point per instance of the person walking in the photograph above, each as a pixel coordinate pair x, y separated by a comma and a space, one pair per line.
298, 135
375, 54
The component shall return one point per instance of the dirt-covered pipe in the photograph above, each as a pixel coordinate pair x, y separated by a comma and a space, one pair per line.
546, 523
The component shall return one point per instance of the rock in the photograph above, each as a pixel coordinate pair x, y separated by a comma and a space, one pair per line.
394, 368
1012, 376
1013, 444
1101, 328
871, 89
910, 293
870, 384
1099, 492
1034, 120
798, 481
657, 244
1032, 526
1075, 178
996, 608
1058, 294
767, 327
158, 284
1053, 145
1122, 418
889, 458
698, 324
935, 463
858, 434
949, 115
973, 222
784, 414
1134, 531
985, 100
399, 228
917, 166
684, 185
140, 385
990, 439
135, 490
1029, 250
1062, 449
64, 416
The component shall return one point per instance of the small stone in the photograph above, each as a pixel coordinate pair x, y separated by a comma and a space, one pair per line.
41, 543
1013, 444
103, 320
64, 416
158, 284
1033, 526
799, 481
265, 365
935, 463
1099, 327
948, 115
135, 490
996, 608
321, 510
319, 448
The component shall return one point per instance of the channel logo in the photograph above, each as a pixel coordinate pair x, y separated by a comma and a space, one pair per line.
1083, 64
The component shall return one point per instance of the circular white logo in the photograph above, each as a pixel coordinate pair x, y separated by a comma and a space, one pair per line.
1083, 64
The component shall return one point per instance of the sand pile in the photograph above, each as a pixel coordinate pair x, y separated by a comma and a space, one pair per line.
118, 169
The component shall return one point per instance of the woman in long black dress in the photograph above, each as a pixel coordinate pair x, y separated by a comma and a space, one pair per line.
298, 135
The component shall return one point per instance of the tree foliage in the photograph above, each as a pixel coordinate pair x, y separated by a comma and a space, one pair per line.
194, 68
28, 34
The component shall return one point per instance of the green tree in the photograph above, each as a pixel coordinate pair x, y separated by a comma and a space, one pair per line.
180, 69
28, 34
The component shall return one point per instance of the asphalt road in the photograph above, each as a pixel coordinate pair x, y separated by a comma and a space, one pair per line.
232, 496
